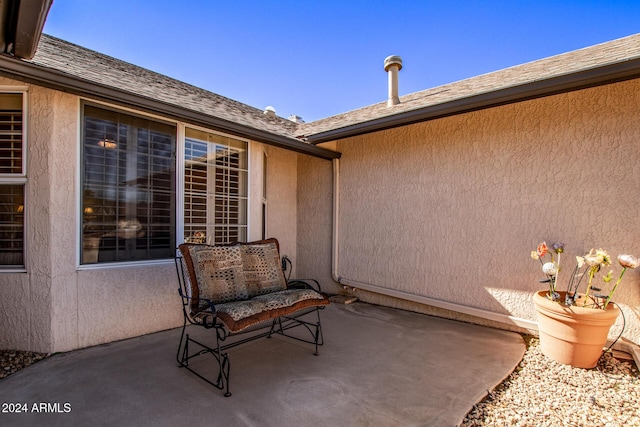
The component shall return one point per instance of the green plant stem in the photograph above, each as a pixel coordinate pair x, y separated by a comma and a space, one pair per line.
614, 288
586, 296
555, 279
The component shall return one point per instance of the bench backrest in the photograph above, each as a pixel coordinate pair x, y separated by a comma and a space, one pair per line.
232, 272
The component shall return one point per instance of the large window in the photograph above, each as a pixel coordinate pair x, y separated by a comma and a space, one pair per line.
215, 193
12, 180
128, 187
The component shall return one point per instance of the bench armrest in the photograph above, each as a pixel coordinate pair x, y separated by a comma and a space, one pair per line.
207, 304
304, 284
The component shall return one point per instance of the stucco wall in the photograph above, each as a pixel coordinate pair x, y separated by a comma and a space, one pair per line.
451, 209
315, 223
282, 188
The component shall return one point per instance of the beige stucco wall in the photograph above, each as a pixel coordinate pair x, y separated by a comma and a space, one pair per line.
450, 209
282, 188
55, 306
315, 222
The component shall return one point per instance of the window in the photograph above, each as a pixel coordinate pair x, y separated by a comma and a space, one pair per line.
215, 192
12, 180
128, 187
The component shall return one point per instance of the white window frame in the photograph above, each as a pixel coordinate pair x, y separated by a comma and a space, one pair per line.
22, 177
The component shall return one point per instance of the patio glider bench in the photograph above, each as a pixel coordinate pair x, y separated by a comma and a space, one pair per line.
241, 289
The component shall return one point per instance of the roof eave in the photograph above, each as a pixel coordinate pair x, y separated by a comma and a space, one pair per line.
620, 71
53, 79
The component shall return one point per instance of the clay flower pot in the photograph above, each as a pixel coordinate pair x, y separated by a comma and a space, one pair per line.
573, 335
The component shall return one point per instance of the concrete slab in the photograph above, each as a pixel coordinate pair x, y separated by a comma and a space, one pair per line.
379, 366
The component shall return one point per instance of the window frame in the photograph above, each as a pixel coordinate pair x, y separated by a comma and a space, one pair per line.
20, 179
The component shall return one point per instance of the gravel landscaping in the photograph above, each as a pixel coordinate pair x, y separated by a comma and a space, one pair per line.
540, 392
12, 361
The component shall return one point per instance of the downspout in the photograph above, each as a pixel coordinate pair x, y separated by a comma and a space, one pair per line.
336, 218
355, 285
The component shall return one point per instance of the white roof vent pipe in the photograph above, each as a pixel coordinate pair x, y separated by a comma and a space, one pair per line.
393, 64
270, 111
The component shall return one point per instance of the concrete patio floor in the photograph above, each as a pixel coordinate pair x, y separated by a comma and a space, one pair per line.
379, 367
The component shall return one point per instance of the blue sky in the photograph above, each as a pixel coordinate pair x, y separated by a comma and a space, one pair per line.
320, 58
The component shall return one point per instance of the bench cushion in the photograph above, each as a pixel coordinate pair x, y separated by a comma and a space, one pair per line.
217, 271
239, 315
262, 270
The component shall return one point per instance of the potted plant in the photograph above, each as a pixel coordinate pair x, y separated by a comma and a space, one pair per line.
574, 326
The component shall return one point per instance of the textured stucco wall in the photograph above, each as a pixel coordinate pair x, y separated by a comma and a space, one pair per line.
451, 209
282, 187
123, 302
62, 227
315, 223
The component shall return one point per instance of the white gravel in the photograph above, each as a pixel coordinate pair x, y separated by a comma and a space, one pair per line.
542, 392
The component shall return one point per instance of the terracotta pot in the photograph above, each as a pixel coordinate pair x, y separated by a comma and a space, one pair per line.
573, 335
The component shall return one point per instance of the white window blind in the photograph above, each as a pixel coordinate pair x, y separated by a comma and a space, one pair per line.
215, 201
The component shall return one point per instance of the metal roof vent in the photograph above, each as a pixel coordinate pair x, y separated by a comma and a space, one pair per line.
393, 64
270, 111
296, 119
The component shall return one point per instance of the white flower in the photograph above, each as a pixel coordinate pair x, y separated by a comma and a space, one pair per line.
550, 269
628, 261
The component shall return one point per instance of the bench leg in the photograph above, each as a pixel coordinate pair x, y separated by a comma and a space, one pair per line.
224, 368
183, 347
318, 338
283, 324
222, 359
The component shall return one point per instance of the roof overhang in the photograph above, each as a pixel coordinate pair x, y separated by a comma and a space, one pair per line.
53, 79
611, 73
21, 24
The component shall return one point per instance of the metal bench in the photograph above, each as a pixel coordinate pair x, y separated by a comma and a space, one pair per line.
237, 289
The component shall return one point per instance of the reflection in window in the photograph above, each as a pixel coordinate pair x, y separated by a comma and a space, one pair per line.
128, 187
11, 225
215, 199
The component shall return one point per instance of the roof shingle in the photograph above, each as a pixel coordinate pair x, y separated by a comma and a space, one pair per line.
600, 55
95, 67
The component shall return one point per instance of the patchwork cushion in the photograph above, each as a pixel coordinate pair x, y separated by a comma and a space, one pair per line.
189, 276
218, 273
239, 315
262, 270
